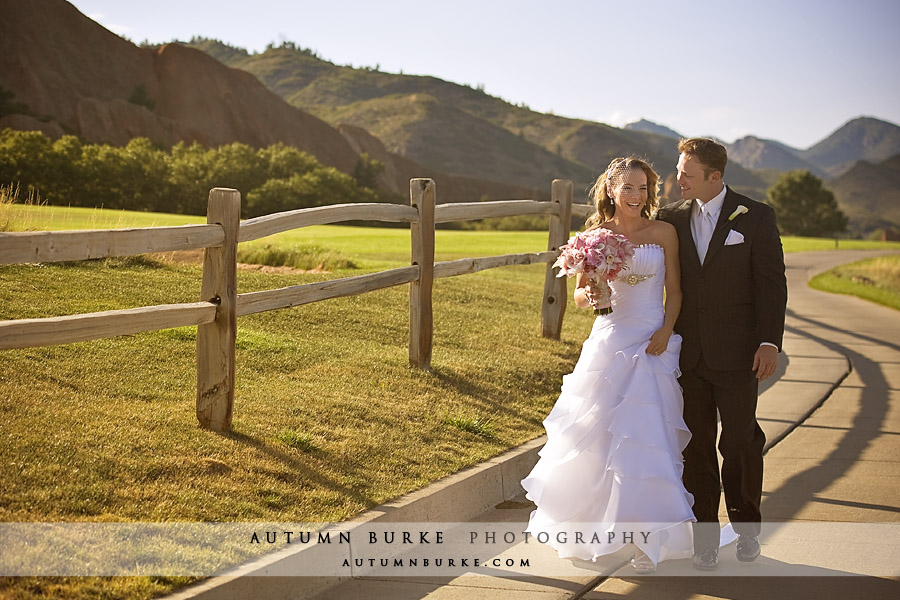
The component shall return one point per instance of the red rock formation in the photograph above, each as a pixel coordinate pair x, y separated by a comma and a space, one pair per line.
76, 76
63, 65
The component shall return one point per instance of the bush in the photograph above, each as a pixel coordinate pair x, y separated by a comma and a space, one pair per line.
141, 97
142, 176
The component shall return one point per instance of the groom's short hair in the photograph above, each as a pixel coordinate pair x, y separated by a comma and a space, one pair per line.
709, 152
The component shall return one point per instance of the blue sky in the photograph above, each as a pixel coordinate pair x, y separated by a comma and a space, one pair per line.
788, 70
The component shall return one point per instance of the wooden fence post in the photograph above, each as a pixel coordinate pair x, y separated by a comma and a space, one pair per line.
421, 324
216, 340
555, 288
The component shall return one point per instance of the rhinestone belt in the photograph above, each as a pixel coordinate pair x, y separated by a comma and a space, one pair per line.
634, 279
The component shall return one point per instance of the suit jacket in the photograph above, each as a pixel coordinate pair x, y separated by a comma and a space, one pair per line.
737, 298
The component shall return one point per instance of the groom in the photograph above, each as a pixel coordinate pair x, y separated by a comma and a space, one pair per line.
732, 323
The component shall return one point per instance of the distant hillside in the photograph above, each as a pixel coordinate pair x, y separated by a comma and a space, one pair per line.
436, 123
454, 127
651, 127
438, 134
755, 153
863, 138
869, 194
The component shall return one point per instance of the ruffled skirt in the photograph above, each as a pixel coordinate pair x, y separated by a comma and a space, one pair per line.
613, 458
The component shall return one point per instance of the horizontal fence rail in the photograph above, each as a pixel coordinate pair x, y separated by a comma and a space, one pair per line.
297, 295
58, 246
464, 266
582, 210
31, 333
260, 227
215, 315
471, 211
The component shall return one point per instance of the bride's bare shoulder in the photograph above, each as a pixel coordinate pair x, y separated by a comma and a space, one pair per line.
663, 233
661, 226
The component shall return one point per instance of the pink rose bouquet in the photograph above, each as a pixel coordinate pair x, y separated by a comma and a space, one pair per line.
601, 255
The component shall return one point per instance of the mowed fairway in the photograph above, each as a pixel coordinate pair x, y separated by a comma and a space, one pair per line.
329, 417
370, 247
374, 247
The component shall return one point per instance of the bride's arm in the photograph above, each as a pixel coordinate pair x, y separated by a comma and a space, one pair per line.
581, 292
659, 341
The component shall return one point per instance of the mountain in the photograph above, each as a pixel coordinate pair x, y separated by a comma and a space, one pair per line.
869, 194
755, 153
67, 74
863, 138
454, 127
433, 122
651, 127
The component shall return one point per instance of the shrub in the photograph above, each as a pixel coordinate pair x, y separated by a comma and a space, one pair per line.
304, 257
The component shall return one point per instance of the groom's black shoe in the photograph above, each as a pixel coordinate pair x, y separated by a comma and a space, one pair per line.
747, 548
707, 560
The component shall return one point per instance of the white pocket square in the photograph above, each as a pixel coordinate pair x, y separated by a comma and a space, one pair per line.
734, 238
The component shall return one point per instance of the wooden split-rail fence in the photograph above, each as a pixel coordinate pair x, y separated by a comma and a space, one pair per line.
215, 315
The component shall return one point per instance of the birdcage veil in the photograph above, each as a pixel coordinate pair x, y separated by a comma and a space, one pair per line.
612, 177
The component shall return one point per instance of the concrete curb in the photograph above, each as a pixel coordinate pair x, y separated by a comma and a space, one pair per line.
459, 497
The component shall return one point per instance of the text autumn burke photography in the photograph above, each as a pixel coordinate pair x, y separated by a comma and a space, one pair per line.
437, 549
437, 537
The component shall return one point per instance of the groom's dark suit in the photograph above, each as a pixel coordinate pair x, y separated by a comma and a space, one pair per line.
731, 303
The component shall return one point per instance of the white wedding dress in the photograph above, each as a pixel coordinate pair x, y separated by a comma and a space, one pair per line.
613, 458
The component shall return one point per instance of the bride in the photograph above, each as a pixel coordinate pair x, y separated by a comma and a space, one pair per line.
613, 457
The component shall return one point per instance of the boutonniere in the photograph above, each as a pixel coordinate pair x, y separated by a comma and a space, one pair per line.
741, 209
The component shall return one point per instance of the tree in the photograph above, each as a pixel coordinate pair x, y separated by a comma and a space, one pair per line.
10, 107
190, 177
282, 161
367, 170
803, 206
321, 186
144, 177
141, 97
237, 166
26, 158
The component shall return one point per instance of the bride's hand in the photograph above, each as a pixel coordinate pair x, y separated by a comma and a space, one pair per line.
659, 341
587, 293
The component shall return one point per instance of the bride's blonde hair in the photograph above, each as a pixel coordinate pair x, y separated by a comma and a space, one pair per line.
599, 193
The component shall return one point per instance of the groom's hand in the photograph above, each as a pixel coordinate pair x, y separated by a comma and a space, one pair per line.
765, 361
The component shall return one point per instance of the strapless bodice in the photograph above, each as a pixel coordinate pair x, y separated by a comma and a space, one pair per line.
638, 290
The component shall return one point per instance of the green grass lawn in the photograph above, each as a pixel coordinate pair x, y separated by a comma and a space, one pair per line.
329, 418
370, 248
873, 279
121, 410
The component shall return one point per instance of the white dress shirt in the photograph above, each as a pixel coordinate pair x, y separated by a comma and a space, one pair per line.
704, 217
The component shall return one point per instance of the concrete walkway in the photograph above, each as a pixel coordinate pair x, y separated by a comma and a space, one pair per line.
832, 420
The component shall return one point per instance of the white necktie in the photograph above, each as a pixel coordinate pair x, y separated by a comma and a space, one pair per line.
705, 229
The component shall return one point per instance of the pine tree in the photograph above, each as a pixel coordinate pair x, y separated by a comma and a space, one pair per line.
803, 206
